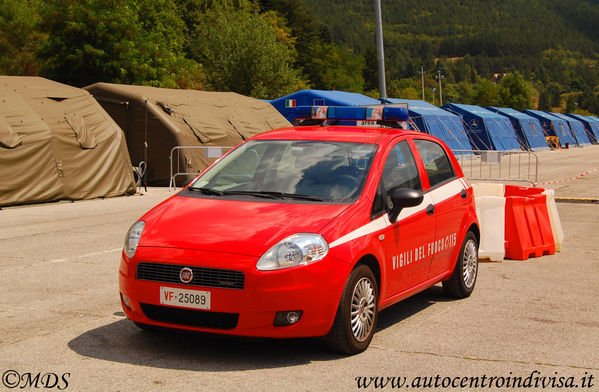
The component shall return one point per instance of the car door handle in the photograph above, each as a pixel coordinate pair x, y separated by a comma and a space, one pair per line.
463, 193
430, 209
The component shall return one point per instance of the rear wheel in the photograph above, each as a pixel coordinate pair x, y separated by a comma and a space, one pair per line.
461, 284
357, 313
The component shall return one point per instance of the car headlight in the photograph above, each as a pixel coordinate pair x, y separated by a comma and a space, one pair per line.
298, 249
133, 237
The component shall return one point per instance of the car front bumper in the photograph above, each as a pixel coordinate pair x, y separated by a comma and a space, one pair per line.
313, 289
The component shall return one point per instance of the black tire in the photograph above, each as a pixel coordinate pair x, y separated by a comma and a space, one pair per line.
462, 281
361, 292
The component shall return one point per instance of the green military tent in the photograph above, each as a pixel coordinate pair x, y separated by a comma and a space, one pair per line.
155, 120
57, 143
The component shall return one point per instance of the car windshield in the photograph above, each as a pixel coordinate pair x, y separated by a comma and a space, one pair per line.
290, 169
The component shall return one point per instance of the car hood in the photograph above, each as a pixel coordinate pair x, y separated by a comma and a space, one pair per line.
232, 226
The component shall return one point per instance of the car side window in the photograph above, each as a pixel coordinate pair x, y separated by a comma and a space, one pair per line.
436, 163
400, 171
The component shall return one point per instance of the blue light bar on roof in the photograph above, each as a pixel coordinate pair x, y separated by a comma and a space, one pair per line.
395, 114
357, 113
346, 113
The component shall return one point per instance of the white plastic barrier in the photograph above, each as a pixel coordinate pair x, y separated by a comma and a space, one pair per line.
556, 223
488, 189
490, 208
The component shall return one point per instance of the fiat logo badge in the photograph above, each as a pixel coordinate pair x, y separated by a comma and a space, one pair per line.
186, 275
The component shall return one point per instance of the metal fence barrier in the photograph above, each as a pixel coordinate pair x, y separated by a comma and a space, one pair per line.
477, 165
482, 165
210, 152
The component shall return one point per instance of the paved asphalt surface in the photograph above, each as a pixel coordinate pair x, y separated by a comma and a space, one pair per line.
60, 314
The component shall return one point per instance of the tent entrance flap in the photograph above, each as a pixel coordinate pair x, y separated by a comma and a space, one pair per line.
8, 137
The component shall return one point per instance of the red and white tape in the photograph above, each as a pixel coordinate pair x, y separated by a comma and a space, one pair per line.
567, 179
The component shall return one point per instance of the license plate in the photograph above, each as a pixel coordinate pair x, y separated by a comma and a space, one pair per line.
184, 298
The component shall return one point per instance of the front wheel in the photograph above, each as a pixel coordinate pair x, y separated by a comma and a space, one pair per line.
357, 313
462, 281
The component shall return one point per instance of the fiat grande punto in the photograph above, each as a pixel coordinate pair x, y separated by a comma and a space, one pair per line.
304, 232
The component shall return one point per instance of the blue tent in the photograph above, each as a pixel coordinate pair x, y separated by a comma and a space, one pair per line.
486, 130
591, 126
286, 105
553, 126
528, 129
596, 119
576, 128
437, 122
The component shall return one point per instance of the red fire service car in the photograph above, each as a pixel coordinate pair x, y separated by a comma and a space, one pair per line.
301, 232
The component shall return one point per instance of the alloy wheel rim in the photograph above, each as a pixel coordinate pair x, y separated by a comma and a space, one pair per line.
362, 309
470, 264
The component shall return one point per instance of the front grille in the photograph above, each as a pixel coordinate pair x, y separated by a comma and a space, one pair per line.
202, 276
190, 317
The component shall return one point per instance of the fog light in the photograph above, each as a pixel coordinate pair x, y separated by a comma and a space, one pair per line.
287, 318
125, 300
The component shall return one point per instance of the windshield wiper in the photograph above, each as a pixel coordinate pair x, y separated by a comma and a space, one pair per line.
281, 195
294, 196
206, 191
268, 195
263, 194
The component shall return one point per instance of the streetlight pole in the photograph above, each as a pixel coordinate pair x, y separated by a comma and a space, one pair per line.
434, 91
380, 51
439, 77
422, 72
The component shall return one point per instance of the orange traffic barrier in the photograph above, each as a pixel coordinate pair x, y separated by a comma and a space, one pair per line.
528, 230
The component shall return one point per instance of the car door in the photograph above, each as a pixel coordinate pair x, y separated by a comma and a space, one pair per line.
450, 204
407, 262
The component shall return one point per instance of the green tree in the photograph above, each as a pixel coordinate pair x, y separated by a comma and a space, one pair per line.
553, 92
589, 101
514, 92
571, 103
544, 101
105, 40
310, 34
464, 92
240, 52
19, 37
486, 93
335, 68
404, 88
370, 71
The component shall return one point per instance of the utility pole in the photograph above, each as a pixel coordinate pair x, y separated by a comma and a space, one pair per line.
380, 51
422, 72
439, 77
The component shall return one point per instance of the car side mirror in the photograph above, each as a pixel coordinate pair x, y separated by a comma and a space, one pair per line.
402, 198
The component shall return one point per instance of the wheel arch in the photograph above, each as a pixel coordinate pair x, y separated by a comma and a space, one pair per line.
371, 262
475, 229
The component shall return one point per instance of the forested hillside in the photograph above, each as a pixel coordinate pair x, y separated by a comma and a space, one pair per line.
516, 53
553, 44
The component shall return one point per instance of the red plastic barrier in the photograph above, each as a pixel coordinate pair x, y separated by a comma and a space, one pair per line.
527, 225
513, 190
